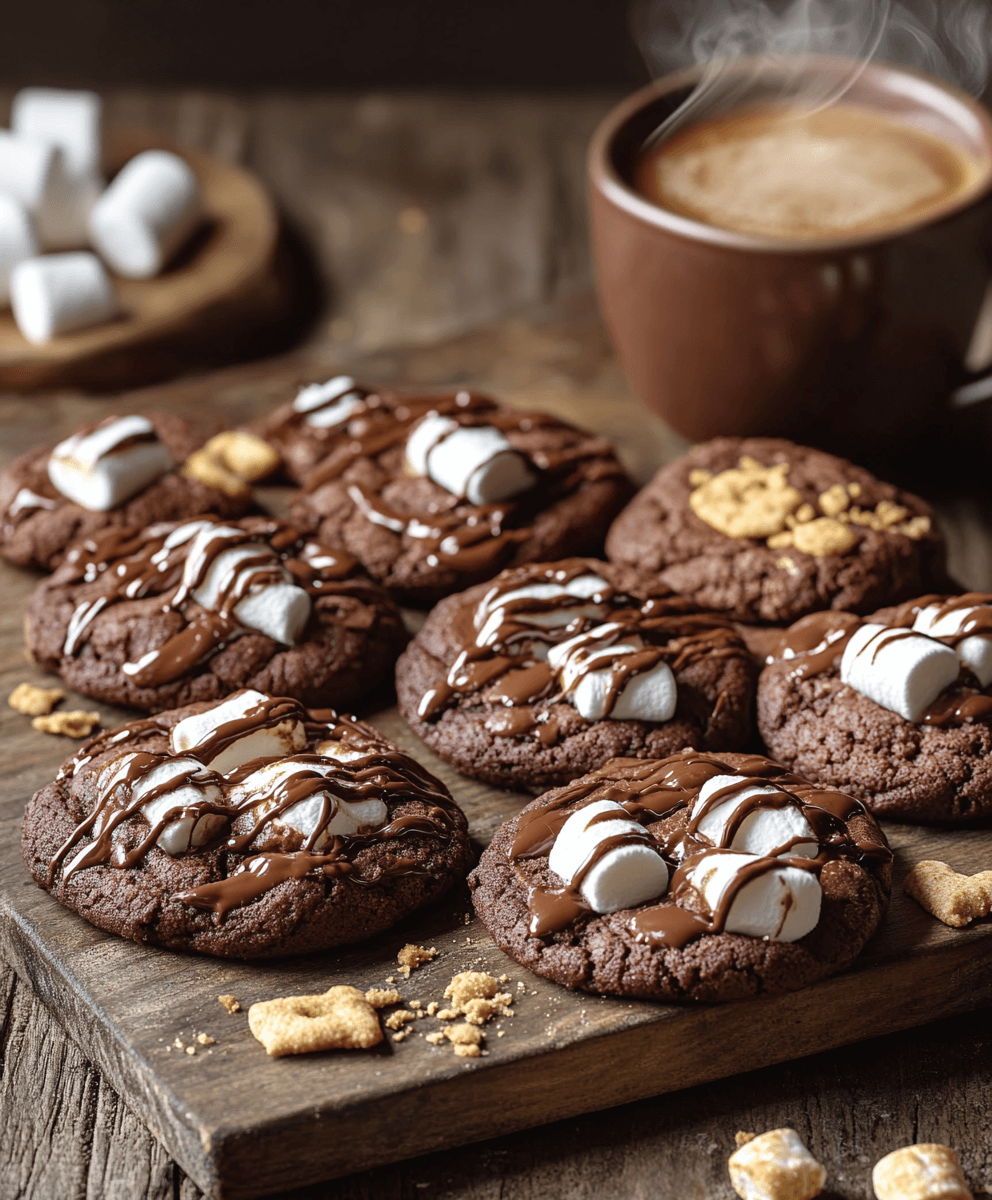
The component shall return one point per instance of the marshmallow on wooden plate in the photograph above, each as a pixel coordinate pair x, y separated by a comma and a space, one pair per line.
329, 404
58, 293
17, 240
763, 831
491, 613
304, 816
194, 732
626, 875
149, 210
89, 470
474, 461
781, 903
648, 696
974, 652
901, 671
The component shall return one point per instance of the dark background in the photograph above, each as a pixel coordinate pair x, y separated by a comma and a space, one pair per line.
542, 44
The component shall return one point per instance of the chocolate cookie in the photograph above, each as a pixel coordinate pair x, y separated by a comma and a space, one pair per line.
895, 708
113, 474
696, 877
182, 612
767, 531
434, 493
551, 669
248, 830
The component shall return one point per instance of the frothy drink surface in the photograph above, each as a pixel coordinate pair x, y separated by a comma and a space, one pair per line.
789, 174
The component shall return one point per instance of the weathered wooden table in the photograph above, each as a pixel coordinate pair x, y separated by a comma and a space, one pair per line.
449, 234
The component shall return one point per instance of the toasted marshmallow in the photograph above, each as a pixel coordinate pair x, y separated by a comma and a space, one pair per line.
304, 817
17, 240
491, 613
626, 875
763, 831
974, 652
648, 696
89, 470
474, 461
781, 904
901, 671
60, 293
329, 404
193, 732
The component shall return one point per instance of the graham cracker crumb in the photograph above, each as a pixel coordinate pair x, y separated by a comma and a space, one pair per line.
245, 454
504, 979
34, 701
743, 1138
401, 1036
834, 500
398, 1019
521, 986
205, 468
501, 1033
468, 1051
432, 1008
951, 897
698, 477
205, 1039
190, 1049
415, 1004
463, 1035
412, 957
75, 724
825, 535
339, 1019
476, 996
468, 918
448, 1014
854, 489
178, 1044
781, 541
230, 1003
435, 1038
381, 997
746, 501
390, 978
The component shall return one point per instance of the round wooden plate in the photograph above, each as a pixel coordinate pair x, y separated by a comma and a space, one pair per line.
208, 286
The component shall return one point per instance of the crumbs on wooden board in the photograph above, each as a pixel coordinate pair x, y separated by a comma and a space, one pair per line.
34, 701
75, 724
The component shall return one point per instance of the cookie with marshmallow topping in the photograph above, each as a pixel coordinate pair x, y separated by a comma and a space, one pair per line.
551, 669
118, 472
249, 828
766, 531
895, 707
435, 492
188, 611
700, 876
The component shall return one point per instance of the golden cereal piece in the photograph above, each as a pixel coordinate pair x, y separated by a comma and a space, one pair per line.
834, 500
380, 997
75, 724
952, 898
781, 541
890, 513
854, 490
747, 501
243, 454
823, 536
923, 1172
775, 1166
412, 957
230, 1003
206, 469
698, 477
339, 1019
915, 527
34, 701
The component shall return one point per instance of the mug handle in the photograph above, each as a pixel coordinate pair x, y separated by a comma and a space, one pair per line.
977, 367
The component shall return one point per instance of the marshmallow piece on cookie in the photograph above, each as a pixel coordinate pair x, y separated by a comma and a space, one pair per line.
927, 1171
492, 611
59, 293
193, 734
146, 214
780, 903
280, 612
775, 1166
648, 696
626, 875
764, 831
329, 404
89, 469
474, 461
898, 669
974, 652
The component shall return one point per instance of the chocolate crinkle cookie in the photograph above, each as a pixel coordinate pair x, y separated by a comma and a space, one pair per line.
249, 829
551, 669
434, 493
182, 612
895, 708
767, 531
695, 877
112, 474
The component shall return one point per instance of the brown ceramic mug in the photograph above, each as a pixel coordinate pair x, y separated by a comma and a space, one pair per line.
847, 343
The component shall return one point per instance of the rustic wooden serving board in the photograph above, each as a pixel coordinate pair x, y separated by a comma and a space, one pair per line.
242, 1125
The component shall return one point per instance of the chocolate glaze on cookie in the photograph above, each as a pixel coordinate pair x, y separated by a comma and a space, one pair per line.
676, 947
329, 844
420, 540
477, 687
150, 617
37, 522
938, 768
766, 531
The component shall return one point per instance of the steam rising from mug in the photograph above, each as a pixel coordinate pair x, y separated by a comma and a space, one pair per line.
947, 38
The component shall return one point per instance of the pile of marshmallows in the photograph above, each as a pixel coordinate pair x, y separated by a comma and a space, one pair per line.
53, 198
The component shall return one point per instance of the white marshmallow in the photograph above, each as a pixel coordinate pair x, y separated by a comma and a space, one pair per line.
280, 610
146, 214
974, 652
195, 731
329, 404
26, 499
900, 673
781, 904
763, 831
223, 572
340, 751
17, 240
67, 119
474, 461
58, 293
86, 469
649, 696
625, 876
489, 619
177, 836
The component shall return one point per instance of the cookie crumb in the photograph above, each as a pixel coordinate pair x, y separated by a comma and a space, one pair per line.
338, 1019
178, 1044
398, 1019
381, 997
921, 1172
401, 1036
230, 1003
824, 536
775, 1166
34, 701
501, 1033
746, 501
504, 979
477, 997
75, 724
205, 1039
742, 1139
190, 1049
244, 454
468, 918
432, 1008
412, 957
435, 1038
467, 1051
415, 1004
834, 500
955, 899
